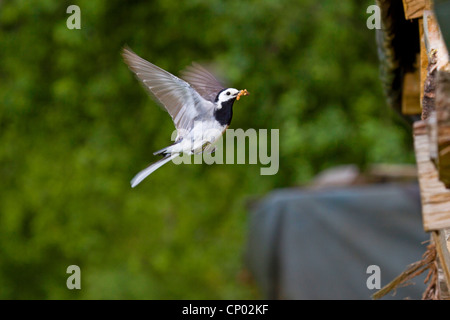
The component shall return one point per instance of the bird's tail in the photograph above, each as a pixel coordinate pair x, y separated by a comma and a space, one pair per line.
147, 171
162, 151
166, 150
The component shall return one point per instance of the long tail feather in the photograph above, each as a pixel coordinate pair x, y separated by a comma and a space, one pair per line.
147, 171
161, 151
166, 149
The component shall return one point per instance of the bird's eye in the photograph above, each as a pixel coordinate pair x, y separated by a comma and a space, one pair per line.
228, 93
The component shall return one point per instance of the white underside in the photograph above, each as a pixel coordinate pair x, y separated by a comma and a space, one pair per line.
193, 142
203, 133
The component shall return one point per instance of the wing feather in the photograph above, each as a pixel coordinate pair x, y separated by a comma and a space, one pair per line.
181, 100
203, 81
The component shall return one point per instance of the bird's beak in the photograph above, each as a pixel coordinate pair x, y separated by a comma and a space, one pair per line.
242, 93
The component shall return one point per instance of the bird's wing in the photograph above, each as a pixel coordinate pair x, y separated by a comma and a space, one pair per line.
182, 101
203, 81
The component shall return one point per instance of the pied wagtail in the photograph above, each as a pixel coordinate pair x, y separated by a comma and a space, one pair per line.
197, 104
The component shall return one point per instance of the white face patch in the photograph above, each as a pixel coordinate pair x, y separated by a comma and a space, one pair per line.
227, 94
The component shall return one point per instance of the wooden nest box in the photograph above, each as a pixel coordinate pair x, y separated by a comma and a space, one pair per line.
415, 71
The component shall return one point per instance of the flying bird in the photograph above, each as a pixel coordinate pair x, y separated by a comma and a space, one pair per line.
197, 104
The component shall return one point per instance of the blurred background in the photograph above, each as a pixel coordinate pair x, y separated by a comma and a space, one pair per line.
76, 126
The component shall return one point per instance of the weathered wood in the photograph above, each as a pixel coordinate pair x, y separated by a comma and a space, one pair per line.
414, 8
442, 242
434, 40
437, 91
429, 88
433, 57
423, 60
434, 195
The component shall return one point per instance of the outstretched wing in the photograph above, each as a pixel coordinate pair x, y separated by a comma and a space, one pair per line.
181, 101
203, 81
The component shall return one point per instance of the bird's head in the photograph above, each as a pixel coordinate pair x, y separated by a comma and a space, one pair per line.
230, 94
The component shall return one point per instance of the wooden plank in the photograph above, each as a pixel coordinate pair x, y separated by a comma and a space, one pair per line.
434, 41
429, 89
414, 8
437, 91
423, 60
433, 57
434, 195
442, 242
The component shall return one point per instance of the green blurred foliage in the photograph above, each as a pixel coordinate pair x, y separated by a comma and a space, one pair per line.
75, 126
